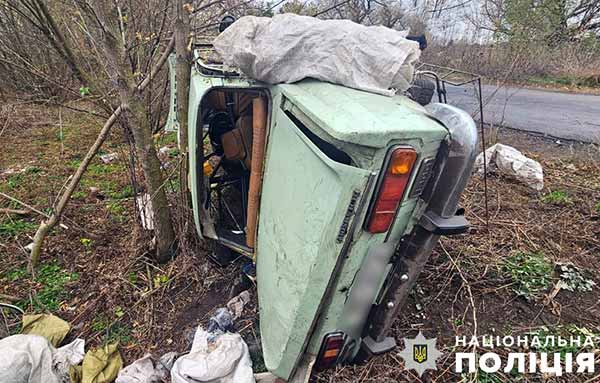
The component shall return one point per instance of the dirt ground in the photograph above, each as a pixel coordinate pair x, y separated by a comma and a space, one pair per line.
98, 275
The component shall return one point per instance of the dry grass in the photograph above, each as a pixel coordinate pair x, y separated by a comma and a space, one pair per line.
573, 65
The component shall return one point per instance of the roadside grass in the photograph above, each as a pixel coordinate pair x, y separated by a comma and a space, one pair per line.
531, 273
565, 81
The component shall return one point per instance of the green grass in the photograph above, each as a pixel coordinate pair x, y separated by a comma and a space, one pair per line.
53, 285
117, 211
14, 181
14, 227
16, 274
597, 207
124, 192
102, 169
531, 273
86, 242
112, 330
557, 198
80, 194
53, 292
165, 139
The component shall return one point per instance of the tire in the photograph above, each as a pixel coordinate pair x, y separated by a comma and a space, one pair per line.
422, 91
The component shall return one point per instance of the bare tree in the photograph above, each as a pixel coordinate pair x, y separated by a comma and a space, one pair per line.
109, 27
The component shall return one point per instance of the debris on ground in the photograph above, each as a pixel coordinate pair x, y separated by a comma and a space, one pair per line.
225, 359
237, 304
144, 205
217, 355
511, 162
147, 369
33, 356
287, 48
108, 158
100, 365
49, 326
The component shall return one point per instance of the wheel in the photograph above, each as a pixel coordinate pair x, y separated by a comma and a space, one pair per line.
422, 91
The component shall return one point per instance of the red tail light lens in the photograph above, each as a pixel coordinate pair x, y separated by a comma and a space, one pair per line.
330, 350
392, 189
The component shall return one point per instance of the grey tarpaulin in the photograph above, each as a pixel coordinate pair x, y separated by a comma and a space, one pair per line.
288, 48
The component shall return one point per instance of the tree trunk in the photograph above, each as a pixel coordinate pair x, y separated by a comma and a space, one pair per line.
54, 218
134, 115
184, 67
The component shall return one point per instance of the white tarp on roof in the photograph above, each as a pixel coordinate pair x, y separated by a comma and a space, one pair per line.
288, 48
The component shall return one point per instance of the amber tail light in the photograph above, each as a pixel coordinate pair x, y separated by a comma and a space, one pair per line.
392, 188
330, 350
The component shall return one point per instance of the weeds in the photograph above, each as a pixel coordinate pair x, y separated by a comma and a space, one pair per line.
116, 210
86, 242
574, 279
16, 274
132, 277
113, 331
125, 192
78, 195
531, 273
53, 280
14, 227
557, 198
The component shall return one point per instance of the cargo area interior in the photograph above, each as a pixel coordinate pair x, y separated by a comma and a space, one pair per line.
234, 126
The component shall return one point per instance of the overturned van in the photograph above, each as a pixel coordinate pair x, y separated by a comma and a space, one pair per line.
338, 196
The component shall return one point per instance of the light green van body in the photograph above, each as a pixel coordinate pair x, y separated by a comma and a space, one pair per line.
311, 241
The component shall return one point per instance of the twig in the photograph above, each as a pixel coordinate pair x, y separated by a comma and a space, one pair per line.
30, 208
14, 211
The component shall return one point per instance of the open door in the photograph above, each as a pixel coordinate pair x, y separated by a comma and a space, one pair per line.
306, 209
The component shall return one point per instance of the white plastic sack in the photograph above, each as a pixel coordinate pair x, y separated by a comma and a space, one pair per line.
32, 359
288, 48
511, 162
225, 360
146, 370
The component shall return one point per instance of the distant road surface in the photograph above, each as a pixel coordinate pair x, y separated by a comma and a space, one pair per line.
564, 115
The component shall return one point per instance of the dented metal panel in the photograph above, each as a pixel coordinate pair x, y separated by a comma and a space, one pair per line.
303, 208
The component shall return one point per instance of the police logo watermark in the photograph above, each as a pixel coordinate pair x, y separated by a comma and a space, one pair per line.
420, 354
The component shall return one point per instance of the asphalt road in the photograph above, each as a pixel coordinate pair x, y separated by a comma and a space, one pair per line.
562, 115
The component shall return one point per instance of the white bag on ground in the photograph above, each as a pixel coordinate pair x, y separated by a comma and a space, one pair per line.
288, 48
511, 162
147, 370
225, 360
32, 359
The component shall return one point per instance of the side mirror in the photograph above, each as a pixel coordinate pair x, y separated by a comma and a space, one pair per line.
226, 22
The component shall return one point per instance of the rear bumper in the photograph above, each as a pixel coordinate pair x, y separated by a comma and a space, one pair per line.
452, 171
